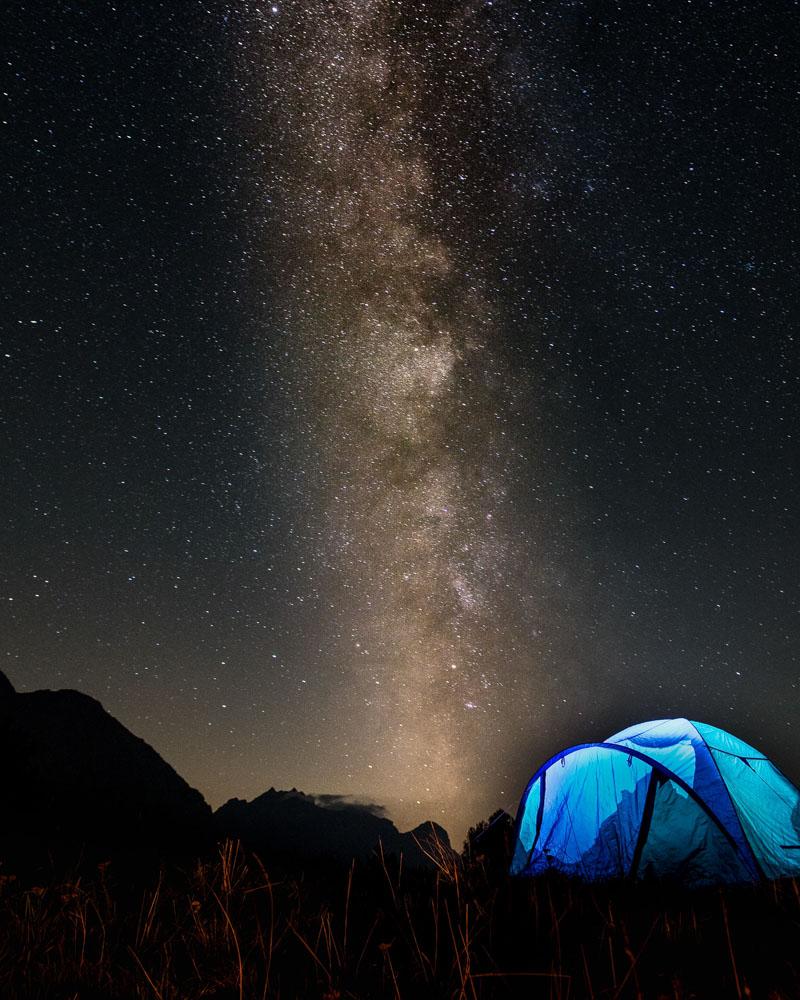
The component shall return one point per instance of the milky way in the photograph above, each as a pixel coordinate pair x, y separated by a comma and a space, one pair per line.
397, 339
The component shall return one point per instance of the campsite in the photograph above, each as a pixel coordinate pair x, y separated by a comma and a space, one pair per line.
610, 882
400, 500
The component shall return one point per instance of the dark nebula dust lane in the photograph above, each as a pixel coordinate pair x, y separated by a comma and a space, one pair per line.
396, 393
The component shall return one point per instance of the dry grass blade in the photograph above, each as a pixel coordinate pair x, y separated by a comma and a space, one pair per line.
730, 946
386, 871
347, 906
146, 925
634, 959
425, 963
235, 937
311, 952
441, 856
146, 974
270, 939
388, 959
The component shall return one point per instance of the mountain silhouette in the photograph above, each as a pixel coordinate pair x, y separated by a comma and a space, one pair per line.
76, 784
75, 780
292, 823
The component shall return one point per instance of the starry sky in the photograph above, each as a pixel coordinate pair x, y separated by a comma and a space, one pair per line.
394, 394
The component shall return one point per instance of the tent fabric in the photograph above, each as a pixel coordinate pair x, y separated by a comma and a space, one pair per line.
665, 799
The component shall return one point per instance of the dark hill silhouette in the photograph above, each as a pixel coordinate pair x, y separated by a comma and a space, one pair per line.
6, 687
76, 784
290, 823
75, 780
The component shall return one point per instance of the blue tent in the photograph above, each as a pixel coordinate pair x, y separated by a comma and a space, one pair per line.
665, 799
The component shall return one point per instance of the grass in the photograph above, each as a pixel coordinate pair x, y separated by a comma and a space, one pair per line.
233, 927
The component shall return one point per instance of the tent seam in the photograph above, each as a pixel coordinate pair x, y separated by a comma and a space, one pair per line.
705, 743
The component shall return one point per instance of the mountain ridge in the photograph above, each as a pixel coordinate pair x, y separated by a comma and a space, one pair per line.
76, 780
342, 829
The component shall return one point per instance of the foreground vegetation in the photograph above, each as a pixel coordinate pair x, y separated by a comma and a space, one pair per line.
234, 927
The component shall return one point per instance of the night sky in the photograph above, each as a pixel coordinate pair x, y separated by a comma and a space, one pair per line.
396, 393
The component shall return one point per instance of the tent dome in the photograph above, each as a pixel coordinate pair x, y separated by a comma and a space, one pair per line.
667, 799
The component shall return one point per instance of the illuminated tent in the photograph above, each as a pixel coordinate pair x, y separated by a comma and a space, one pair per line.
664, 799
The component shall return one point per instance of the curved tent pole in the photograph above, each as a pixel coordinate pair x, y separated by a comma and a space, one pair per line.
749, 859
